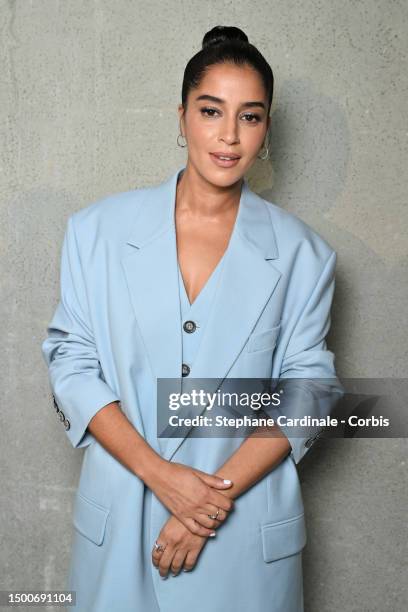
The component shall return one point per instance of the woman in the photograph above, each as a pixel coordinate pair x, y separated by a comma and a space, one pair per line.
197, 277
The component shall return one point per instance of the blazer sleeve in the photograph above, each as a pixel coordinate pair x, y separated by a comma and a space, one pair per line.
75, 375
308, 377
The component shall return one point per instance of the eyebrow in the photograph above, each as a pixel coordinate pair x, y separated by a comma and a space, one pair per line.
220, 101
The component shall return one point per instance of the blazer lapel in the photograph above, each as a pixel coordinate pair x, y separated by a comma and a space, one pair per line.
247, 283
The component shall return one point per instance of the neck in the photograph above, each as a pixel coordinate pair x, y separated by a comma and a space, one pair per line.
196, 195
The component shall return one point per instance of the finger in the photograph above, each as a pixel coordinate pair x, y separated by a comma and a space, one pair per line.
220, 514
221, 501
197, 529
204, 520
178, 561
165, 561
156, 556
214, 481
161, 540
190, 560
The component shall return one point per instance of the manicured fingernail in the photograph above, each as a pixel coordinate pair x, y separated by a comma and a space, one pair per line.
227, 481
163, 577
212, 534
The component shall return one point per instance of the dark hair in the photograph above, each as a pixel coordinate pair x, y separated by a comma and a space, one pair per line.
225, 44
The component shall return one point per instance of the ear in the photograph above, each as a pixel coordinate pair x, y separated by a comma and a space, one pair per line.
180, 110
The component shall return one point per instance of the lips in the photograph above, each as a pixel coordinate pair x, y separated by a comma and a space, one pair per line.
229, 161
227, 155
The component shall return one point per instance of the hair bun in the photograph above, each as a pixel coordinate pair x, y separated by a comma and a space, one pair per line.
220, 34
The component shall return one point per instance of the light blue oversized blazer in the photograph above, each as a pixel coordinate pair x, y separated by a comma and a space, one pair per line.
117, 329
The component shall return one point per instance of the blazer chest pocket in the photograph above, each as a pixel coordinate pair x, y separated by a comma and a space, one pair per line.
90, 518
263, 340
283, 539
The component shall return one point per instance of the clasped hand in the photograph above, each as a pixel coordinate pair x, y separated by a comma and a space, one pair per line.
190, 495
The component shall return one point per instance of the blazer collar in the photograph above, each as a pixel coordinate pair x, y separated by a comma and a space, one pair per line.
157, 215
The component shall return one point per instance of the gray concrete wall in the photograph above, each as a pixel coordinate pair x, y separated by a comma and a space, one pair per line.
88, 98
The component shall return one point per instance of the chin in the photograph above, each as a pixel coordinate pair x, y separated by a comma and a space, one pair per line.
224, 177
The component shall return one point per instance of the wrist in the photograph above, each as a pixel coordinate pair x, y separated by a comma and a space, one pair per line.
150, 467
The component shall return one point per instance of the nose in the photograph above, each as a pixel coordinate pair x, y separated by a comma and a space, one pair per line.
229, 131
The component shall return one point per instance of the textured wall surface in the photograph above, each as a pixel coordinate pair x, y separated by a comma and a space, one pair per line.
88, 107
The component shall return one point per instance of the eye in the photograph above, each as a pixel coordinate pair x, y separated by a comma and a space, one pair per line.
208, 110
252, 116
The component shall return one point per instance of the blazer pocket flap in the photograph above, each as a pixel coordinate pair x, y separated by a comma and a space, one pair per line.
90, 518
263, 340
283, 539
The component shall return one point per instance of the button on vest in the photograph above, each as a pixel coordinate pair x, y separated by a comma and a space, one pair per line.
189, 327
185, 369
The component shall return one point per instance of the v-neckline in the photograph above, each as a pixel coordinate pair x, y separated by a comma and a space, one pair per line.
206, 284
232, 236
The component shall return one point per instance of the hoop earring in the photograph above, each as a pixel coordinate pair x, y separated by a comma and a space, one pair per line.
263, 157
181, 145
